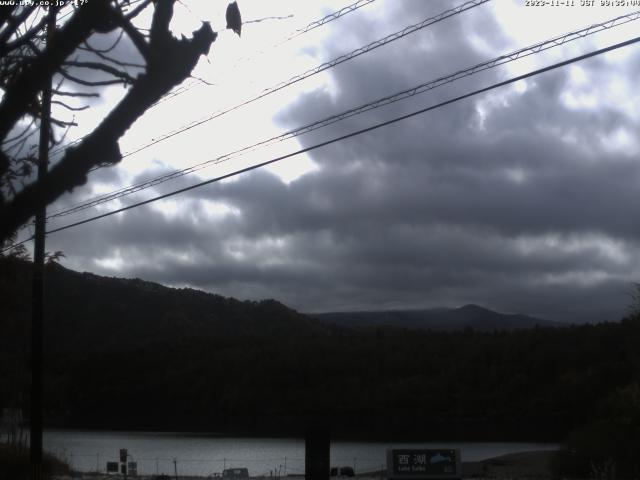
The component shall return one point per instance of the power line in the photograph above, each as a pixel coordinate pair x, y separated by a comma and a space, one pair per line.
340, 138
355, 133
355, 53
325, 66
327, 19
432, 84
311, 26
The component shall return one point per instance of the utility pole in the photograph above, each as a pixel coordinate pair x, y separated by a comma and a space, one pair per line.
37, 314
317, 445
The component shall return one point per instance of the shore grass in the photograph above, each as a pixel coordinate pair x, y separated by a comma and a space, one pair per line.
15, 464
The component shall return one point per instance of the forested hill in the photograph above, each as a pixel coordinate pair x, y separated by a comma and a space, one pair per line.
129, 354
113, 314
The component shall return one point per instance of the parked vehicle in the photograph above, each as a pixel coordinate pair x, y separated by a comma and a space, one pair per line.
342, 472
235, 474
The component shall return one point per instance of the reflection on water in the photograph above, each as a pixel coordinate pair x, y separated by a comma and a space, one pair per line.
196, 454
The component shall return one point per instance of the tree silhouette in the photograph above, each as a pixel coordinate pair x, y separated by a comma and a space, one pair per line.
77, 69
635, 300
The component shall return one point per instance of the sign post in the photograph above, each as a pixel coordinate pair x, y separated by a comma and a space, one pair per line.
424, 464
123, 462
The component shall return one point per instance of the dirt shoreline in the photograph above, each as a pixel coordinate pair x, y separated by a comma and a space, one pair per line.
535, 464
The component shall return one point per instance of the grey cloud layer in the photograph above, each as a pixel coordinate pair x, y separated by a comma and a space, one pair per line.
444, 209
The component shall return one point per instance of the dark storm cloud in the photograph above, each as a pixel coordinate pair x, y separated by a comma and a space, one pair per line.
512, 200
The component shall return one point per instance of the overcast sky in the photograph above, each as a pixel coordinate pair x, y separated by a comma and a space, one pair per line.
524, 199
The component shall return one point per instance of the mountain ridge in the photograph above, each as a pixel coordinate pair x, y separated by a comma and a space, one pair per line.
441, 318
234, 316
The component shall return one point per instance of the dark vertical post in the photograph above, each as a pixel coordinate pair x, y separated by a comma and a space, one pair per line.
123, 461
316, 454
37, 314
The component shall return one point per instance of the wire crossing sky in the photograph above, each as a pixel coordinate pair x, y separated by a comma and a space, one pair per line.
301, 31
325, 66
343, 137
423, 87
328, 18
517, 199
320, 68
353, 134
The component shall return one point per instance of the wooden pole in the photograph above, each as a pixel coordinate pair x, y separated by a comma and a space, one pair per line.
317, 447
37, 314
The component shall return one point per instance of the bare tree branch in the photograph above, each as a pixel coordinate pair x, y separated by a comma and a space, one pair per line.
90, 83
136, 11
124, 76
64, 93
25, 37
30, 81
169, 62
136, 37
62, 123
93, 49
13, 24
107, 58
20, 134
69, 107
5, 14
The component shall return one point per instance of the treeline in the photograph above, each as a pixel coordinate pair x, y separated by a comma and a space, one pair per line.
529, 385
128, 354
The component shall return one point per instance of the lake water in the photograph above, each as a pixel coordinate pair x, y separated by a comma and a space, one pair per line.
195, 454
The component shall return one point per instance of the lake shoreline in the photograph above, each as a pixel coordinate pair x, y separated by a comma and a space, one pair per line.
527, 464
199, 455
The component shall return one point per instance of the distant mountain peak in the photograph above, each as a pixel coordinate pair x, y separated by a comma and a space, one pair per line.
444, 319
474, 308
